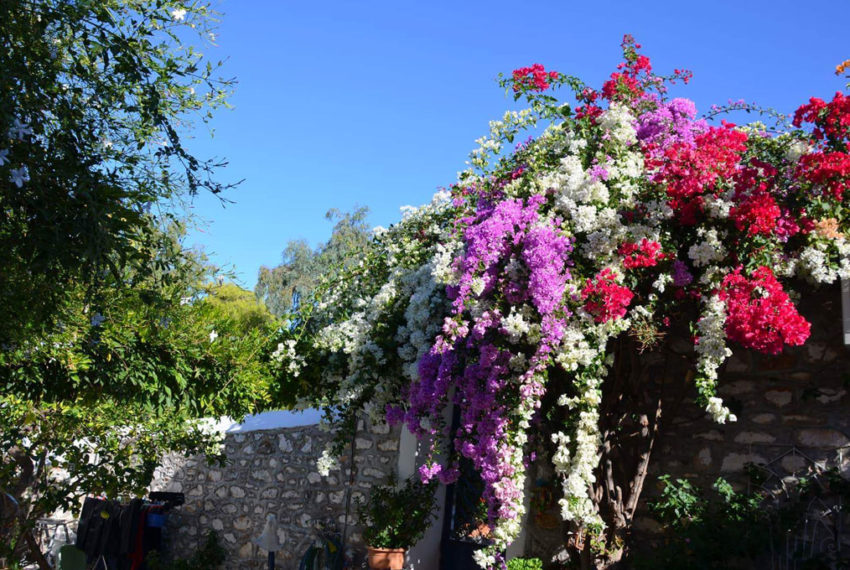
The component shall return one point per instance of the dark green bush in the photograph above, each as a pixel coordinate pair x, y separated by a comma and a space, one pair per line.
397, 517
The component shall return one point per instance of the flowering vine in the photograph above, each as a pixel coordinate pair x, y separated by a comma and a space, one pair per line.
625, 209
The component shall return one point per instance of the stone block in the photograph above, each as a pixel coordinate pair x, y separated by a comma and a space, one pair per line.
284, 444
380, 429
751, 437
734, 462
780, 398
711, 435
822, 438
830, 395
763, 418
793, 463
736, 388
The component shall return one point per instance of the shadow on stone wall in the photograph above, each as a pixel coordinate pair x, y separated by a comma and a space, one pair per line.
793, 414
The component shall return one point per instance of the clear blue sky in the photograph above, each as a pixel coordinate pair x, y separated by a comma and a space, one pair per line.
378, 103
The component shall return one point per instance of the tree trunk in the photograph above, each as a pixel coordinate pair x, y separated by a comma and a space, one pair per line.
633, 397
35, 551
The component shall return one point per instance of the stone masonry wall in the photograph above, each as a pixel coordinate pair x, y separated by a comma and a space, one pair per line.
271, 472
793, 412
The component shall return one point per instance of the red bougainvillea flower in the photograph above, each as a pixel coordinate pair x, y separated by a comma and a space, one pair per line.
534, 78
621, 86
828, 171
604, 298
757, 214
643, 254
690, 170
759, 313
831, 120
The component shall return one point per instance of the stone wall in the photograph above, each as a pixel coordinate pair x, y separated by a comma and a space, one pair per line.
271, 472
792, 413
792, 408
793, 416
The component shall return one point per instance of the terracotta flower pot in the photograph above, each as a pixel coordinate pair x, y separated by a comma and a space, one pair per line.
386, 558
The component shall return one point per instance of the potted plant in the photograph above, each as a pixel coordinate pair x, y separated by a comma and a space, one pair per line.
394, 518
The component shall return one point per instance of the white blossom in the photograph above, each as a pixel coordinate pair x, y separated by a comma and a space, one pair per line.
709, 249
19, 129
19, 176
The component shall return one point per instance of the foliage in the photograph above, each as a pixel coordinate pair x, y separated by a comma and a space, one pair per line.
111, 341
628, 215
397, 517
210, 556
93, 97
240, 307
145, 344
525, 564
135, 367
726, 529
296, 278
722, 529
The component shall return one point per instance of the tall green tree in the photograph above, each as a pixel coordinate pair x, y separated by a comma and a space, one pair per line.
94, 96
240, 306
109, 347
283, 286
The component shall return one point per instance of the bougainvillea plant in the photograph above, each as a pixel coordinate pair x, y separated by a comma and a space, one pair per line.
623, 209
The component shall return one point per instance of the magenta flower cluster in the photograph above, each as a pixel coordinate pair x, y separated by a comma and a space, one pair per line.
511, 257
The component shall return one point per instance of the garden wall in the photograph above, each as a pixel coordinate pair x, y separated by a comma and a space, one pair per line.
271, 471
792, 410
793, 417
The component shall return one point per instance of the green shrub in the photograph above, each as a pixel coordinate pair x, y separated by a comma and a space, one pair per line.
717, 530
525, 564
397, 517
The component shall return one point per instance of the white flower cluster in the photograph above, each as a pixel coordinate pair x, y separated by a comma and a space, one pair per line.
814, 264
19, 130
574, 185
718, 207
515, 325
576, 469
575, 351
285, 352
327, 462
618, 122
709, 249
796, 150
719, 413
489, 146
711, 352
422, 318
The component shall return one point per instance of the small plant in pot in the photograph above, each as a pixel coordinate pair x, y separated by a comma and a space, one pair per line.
394, 518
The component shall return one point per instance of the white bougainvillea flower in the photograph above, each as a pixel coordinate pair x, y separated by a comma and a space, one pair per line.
19, 130
19, 176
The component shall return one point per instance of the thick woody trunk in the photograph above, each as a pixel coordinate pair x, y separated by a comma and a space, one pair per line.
630, 420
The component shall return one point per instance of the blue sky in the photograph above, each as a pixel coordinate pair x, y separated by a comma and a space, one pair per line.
377, 104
